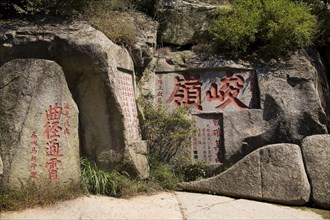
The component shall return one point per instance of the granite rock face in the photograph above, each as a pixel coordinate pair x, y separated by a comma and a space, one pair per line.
100, 77
290, 98
316, 153
289, 93
274, 173
184, 22
144, 48
38, 125
1, 166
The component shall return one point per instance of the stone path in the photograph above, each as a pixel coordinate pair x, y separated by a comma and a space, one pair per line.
165, 205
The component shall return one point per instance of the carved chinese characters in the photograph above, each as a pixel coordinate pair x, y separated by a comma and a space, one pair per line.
40, 126
187, 91
206, 142
230, 87
125, 86
210, 91
54, 128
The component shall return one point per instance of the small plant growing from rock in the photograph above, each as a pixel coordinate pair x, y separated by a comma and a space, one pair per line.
168, 133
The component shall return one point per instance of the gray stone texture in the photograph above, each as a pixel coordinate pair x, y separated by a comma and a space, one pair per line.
146, 40
274, 173
137, 159
290, 99
1, 166
316, 154
244, 131
291, 105
90, 62
184, 22
28, 88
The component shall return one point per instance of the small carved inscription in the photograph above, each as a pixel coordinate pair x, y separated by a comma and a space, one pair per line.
127, 102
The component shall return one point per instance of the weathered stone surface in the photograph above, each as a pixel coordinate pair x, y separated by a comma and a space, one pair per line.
244, 132
137, 154
291, 105
316, 153
92, 65
184, 22
38, 124
273, 173
143, 50
289, 95
1, 166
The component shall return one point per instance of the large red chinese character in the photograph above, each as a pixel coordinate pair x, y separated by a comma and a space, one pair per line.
231, 86
53, 149
52, 129
54, 113
187, 91
52, 167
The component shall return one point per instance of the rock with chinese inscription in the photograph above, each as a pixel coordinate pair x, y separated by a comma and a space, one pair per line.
101, 79
316, 153
273, 173
38, 125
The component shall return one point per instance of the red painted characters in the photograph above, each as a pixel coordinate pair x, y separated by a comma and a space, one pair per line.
187, 91
228, 92
191, 90
34, 151
54, 128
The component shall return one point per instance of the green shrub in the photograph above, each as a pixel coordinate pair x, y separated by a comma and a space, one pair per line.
191, 171
113, 183
237, 25
321, 11
163, 174
270, 26
168, 134
97, 181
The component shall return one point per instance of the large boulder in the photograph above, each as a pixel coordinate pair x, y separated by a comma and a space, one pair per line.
38, 125
289, 98
184, 22
316, 153
274, 173
100, 76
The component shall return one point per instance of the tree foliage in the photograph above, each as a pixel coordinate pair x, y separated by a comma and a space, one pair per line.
271, 26
320, 8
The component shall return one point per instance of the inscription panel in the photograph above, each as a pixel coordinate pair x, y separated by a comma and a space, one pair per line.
210, 91
127, 101
206, 143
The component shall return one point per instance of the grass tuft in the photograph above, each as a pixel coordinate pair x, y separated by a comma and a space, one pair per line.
32, 195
